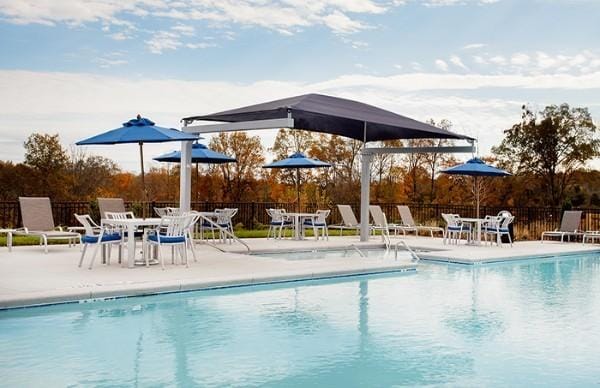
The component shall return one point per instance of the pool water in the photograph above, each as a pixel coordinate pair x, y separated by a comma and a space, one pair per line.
534, 323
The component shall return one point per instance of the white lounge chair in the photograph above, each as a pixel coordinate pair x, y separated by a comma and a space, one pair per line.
349, 221
380, 223
38, 221
408, 223
569, 226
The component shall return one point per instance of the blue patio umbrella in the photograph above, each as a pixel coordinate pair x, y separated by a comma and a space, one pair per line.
476, 168
200, 154
139, 130
297, 161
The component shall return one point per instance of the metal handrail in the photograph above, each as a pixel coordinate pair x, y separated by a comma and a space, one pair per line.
358, 250
413, 254
222, 230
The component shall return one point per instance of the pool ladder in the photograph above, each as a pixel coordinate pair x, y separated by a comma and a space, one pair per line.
408, 248
224, 231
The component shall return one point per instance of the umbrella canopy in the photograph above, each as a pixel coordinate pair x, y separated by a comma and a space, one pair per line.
297, 161
200, 154
337, 116
476, 168
139, 130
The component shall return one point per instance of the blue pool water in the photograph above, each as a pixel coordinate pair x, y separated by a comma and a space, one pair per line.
534, 323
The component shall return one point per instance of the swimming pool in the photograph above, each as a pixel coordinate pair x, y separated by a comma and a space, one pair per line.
534, 323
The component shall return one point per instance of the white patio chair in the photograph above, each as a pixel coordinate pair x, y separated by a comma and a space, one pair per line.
318, 224
455, 228
497, 226
173, 231
569, 226
409, 224
113, 205
98, 236
278, 220
38, 221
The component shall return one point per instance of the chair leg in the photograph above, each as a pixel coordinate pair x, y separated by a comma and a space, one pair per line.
94, 255
45, 242
82, 255
160, 256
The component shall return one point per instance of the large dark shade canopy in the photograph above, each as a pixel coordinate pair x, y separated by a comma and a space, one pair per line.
334, 115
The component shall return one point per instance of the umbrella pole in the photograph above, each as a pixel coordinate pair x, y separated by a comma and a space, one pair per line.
477, 195
298, 189
197, 182
144, 193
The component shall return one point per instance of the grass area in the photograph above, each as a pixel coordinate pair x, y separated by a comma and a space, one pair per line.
241, 233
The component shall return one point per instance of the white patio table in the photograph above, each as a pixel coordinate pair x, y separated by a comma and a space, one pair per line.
131, 225
298, 219
477, 222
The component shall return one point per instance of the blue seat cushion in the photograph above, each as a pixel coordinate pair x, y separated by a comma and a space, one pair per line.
279, 223
464, 228
167, 239
501, 230
87, 239
310, 223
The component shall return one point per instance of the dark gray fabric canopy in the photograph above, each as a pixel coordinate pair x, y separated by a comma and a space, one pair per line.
334, 115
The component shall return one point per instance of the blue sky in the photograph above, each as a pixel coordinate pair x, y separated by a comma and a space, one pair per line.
79, 67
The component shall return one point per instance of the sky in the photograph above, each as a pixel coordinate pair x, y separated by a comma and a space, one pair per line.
80, 67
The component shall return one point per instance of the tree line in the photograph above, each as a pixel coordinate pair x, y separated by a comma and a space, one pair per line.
548, 152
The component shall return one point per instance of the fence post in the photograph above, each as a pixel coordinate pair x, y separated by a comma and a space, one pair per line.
252, 214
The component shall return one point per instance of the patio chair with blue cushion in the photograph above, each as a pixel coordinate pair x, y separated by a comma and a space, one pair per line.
497, 226
98, 236
173, 231
455, 228
317, 223
278, 220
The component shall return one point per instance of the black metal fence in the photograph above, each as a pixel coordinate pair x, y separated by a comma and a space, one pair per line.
529, 223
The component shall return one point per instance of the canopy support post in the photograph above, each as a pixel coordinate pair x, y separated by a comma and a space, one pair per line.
185, 175
365, 186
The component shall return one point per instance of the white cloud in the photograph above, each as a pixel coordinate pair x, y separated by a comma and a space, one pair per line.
184, 29
162, 41
446, 3
67, 103
441, 64
456, 61
474, 46
519, 59
284, 16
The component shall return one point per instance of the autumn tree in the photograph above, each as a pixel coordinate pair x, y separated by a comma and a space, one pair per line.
88, 175
48, 159
552, 145
239, 179
434, 160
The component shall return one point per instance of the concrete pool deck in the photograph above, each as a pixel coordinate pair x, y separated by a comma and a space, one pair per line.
30, 277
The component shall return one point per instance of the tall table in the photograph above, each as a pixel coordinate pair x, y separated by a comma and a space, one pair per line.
476, 221
131, 225
298, 217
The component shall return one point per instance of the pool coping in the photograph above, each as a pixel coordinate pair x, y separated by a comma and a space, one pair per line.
110, 292
505, 259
